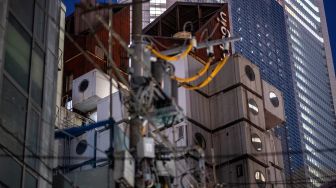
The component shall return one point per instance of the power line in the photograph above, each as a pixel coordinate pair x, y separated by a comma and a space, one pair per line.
111, 6
4, 148
85, 55
115, 35
206, 156
294, 182
217, 156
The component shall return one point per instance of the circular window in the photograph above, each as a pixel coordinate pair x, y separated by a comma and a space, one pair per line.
200, 140
249, 73
253, 107
260, 179
83, 85
256, 142
274, 99
81, 147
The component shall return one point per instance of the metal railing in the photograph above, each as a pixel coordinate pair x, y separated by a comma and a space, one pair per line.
67, 119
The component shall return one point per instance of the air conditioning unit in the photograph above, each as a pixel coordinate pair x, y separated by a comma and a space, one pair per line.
237, 71
274, 150
82, 149
274, 105
275, 176
103, 140
237, 141
243, 173
118, 110
124, 169
103, 143
88, 89
236, 104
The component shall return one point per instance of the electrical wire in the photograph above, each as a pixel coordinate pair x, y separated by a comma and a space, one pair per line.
171, 58
177, 57
328, 150
93, 62
284, 182
206, 31
39, 157
82, 51
211, 76
198, 74
124, 45
115, 35
113, 5
107, 54
273, 182
155, 41
67, 35
28, 149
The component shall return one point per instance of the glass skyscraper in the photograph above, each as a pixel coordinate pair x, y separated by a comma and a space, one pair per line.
285, 39
286, 42
316, 115
262, 25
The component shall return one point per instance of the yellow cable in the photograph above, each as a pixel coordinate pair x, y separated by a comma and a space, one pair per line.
212, 75
198, 74
171, 58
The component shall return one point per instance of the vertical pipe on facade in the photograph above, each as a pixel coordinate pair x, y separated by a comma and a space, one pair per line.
110, 61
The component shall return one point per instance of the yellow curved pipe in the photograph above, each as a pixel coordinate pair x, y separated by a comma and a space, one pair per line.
198, 74
212, 75
171, 58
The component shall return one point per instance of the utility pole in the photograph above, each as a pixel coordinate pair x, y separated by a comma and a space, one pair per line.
136, 36
138, 78
136, 66
141, 78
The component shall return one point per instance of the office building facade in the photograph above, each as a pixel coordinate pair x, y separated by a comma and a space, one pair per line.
29, 50
290, 51
288, 41
328, 51
261, 24
316, 115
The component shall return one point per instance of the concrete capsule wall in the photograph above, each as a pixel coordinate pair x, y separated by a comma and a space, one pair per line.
222, 112
226, 120
274, 107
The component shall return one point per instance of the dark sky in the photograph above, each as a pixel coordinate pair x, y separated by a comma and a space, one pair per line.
70, 4
330, 8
